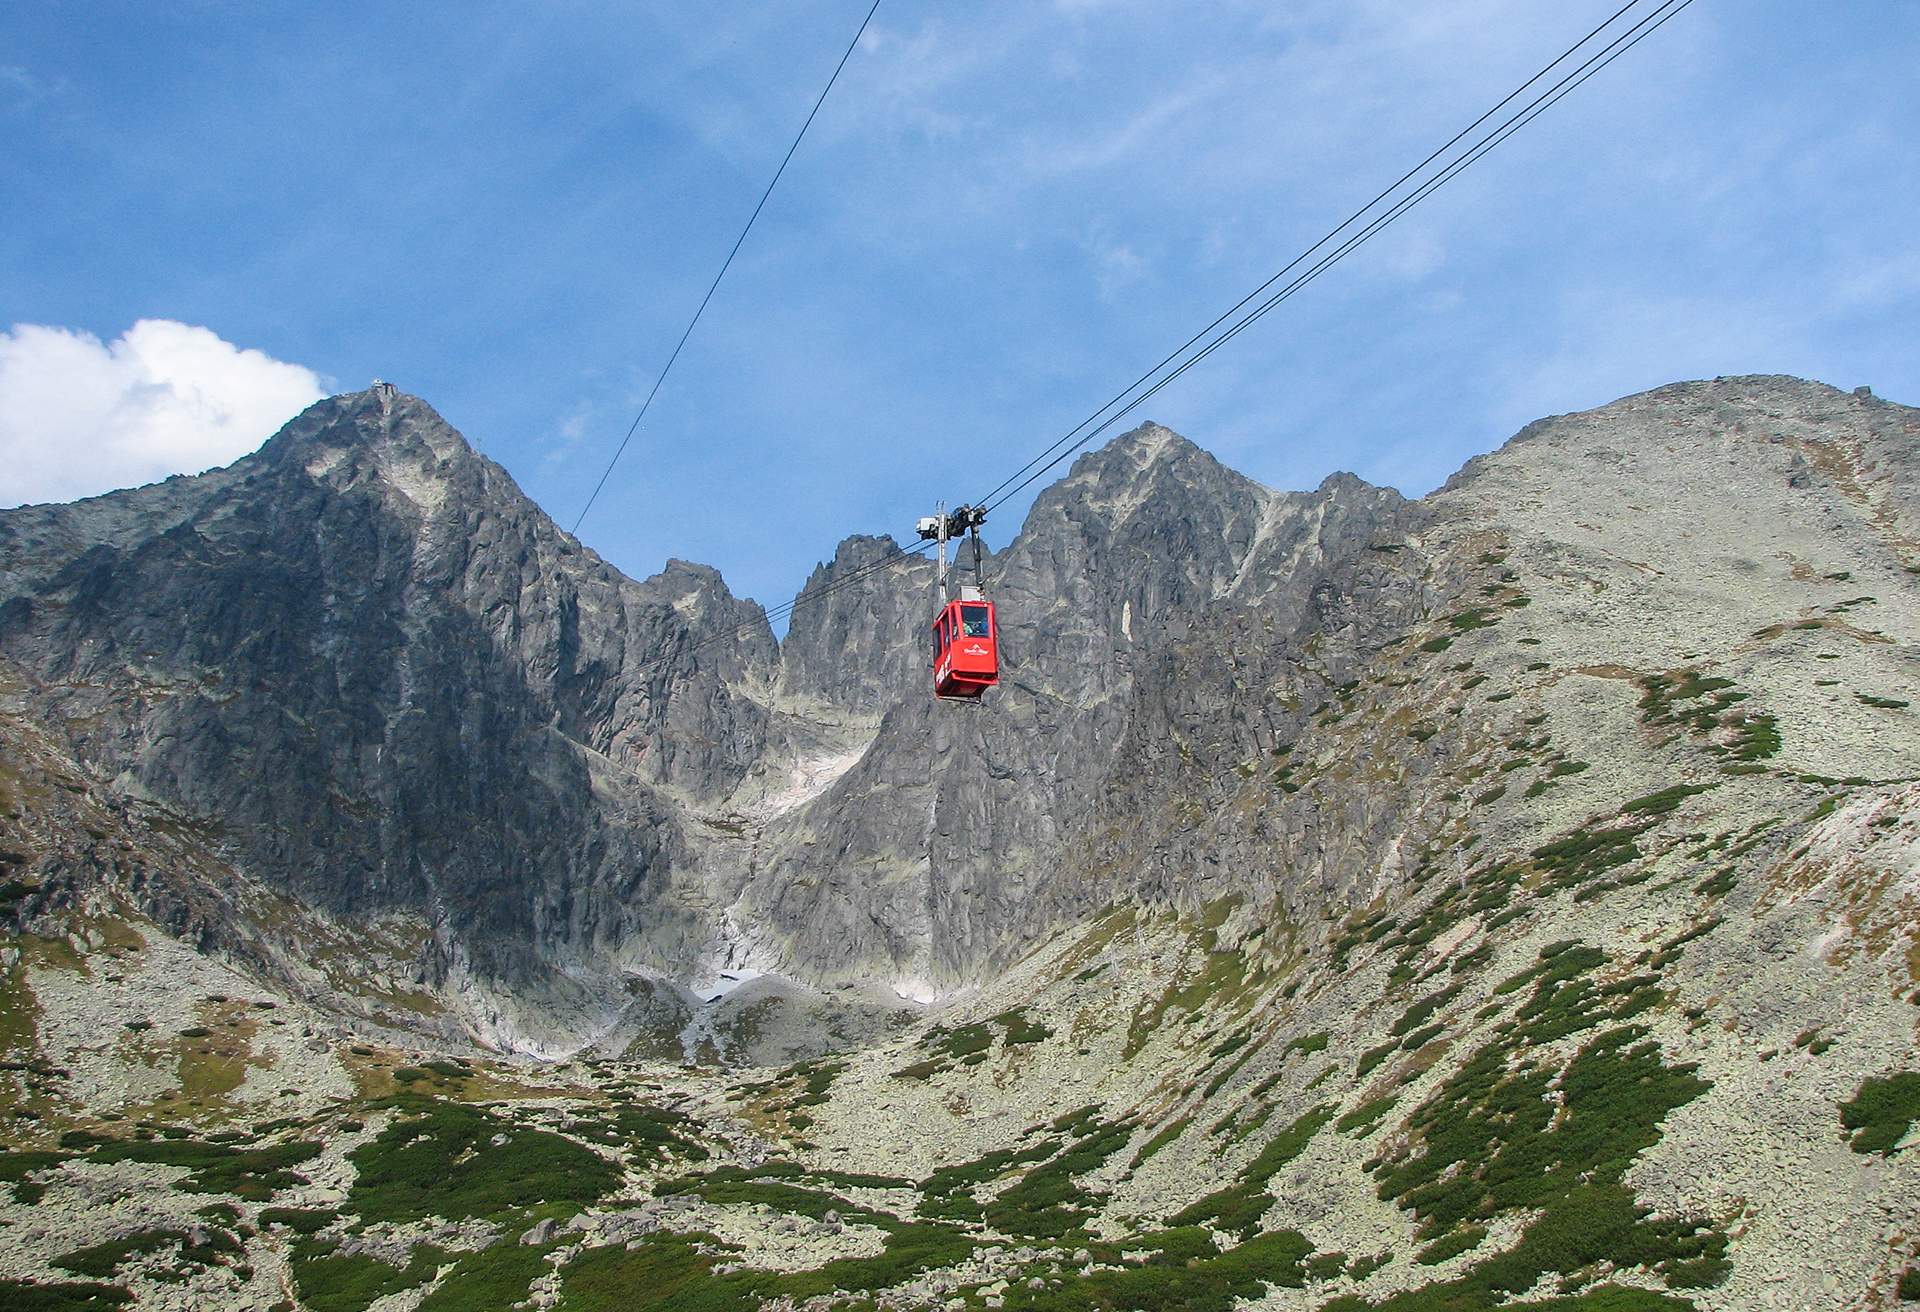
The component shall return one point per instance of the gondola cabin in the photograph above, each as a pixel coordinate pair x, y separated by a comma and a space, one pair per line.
966, 649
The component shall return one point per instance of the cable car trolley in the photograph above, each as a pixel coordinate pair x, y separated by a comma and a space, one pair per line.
966, 634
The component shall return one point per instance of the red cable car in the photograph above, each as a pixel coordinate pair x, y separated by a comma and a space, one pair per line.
966, 634
966, 649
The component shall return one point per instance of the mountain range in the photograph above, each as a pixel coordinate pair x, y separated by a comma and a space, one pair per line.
1506, 898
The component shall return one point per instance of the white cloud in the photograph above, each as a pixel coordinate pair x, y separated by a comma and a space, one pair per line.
79, 416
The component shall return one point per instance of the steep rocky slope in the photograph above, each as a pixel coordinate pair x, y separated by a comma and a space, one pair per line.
1508, 899
406, 695
396, 689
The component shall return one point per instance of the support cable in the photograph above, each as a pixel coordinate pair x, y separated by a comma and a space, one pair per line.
1331, 234
724, 266
1620, 44
1034, 469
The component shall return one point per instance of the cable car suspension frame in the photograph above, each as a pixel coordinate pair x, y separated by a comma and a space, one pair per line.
966, 633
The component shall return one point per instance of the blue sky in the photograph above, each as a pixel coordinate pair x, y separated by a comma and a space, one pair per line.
1004, 213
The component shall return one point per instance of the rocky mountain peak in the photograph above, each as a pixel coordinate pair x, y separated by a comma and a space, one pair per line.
1145, 463
397, 445
379, 415
854, 641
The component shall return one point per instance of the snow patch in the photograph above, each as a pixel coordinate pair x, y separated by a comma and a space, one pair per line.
918, 991
725, 982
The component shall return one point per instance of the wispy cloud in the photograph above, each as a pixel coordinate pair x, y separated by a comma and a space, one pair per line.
1116, 264
20, 89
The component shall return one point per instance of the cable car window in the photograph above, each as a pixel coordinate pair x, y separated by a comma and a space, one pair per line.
974, 619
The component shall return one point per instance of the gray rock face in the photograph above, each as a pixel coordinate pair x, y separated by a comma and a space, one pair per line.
395, 687
390, 680
938, 853
853, 642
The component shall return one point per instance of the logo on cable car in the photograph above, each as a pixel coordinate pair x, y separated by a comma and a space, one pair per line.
974, 650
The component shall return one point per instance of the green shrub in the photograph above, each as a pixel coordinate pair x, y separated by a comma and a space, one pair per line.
1480, 956
300, 1220
251, 1173
492, 1279
1583, 855
819, 1077
1664, 801
1306, 1044
1422, 1011
1239, 1207
1516, 1130
1201, 1283
649, 1134
1046, 1203
1364, 1117
1160, 1140
675, 1274
947, 1194
331, 1281
101, 1260
1882, 1112
1454, 1244
1757, 738
1021, 1030
69, 1296
1421, 1037
1326, 1266
1662, 693
1718, 885
959, 1042
442, 1161
1232, 1043
1372, 1058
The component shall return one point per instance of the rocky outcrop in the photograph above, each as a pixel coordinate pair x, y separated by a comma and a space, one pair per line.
937, 855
